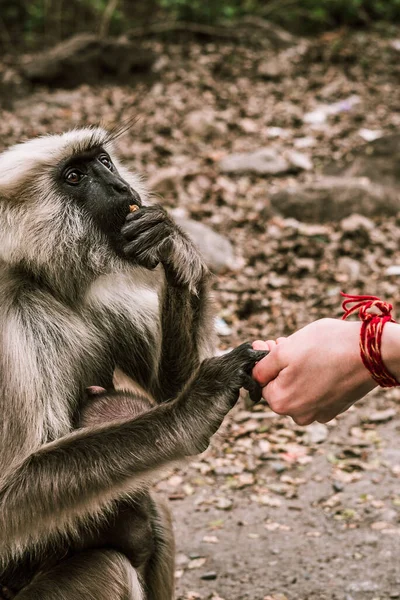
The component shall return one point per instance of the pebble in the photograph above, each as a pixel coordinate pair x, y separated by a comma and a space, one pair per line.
380, 416
278, 467
363, 586
355, 222
210, 576
224, 504
393, 270
337, 486
316, 433
196, 563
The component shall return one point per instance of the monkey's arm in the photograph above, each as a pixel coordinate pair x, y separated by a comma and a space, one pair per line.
60, 484
185, 316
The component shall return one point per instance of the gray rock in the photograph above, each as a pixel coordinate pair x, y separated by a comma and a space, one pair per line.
270, 69
323, 111
278, 467
204, 123
299, 161
349, 267
210, 576
334, 198
224, 503
381, 416
215, 248
316, 433
378, 160
275, 68
363, 586
393, 270
356, 222
265, 161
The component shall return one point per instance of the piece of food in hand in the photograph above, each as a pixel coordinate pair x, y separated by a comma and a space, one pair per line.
133, 208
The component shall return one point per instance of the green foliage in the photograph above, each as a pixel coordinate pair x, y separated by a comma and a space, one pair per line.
209, 11
42, 22
331, 13
311, 14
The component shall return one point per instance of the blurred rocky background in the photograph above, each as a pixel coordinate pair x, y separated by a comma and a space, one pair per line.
270, 129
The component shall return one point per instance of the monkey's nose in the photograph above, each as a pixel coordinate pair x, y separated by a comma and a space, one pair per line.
120, 186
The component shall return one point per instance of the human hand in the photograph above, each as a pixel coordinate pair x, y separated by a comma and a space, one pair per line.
314, 374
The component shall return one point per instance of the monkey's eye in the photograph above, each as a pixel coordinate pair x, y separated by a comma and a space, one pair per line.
106, 161
73, 177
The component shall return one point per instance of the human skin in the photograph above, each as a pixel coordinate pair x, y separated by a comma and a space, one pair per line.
317, 372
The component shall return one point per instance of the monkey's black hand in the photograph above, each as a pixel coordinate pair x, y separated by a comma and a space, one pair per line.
215, 390
250, 357
233, 371
151, 237
147, 236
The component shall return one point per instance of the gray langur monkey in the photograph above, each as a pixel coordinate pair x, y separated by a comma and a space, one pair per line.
87, 287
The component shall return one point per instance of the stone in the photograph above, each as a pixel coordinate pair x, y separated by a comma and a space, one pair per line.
323, 111
378, 160
265, 161
393, 270
381, 416
349, 267
299, 161
216, 249
224, 503
316, 433
356, 222
276, 67
210, 576
278, 467
204, 123
196, 563
363, 586
334, 198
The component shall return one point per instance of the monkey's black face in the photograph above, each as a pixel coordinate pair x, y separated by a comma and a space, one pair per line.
92, 181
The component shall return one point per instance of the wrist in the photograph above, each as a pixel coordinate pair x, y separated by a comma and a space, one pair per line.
362, 376
390, 348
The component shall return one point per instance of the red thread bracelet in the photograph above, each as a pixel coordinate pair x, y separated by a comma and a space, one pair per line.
371, 334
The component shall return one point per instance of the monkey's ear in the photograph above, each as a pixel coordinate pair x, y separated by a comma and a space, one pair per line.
94, 390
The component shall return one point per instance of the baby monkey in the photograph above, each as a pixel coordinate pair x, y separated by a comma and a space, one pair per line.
133, 528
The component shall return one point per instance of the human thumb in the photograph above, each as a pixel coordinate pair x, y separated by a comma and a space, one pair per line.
268, 368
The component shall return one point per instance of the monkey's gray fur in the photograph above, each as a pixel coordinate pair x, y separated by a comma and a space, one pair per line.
86, 287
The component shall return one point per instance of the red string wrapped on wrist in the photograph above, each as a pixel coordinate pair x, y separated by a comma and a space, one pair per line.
371, 334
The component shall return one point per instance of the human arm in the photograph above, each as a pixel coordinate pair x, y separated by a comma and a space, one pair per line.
317, 373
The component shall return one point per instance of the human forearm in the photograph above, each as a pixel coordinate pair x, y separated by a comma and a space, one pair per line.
390, 348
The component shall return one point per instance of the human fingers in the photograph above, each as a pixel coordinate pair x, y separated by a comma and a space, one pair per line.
268, 368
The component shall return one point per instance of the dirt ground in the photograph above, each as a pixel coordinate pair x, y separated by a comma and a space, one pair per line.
318, 533
272, 511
